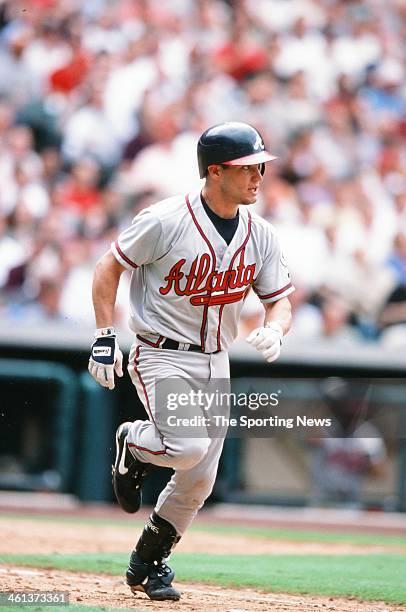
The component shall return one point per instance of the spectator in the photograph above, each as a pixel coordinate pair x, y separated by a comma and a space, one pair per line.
80, 193
241, 55
397, 261
30, 194
45, 308
17, 150
53, 173
325, 318
135, 73
12, 252
89, 132
44, 54
171, 153
100, 107
335, 320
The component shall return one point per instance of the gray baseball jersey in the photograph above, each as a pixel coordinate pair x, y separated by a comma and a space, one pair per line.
187, 283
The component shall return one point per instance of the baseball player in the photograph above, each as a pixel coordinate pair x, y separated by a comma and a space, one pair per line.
193, 259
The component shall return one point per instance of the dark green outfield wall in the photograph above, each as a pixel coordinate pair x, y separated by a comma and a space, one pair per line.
57, 426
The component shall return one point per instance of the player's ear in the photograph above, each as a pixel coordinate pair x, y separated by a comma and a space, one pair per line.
213, 171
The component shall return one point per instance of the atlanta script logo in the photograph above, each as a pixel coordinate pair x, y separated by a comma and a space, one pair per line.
200, 281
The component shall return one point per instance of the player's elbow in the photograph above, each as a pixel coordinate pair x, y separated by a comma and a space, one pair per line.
108, 266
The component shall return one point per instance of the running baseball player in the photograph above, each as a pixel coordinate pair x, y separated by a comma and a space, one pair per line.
193, 260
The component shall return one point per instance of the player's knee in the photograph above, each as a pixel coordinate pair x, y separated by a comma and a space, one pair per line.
193, 451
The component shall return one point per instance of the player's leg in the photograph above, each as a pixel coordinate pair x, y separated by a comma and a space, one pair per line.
181, 499
187, 490
147, 570
176, 508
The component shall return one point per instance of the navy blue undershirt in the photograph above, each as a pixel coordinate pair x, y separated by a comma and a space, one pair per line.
225, 227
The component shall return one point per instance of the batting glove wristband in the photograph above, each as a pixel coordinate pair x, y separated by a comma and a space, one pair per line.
267, 340
106, 357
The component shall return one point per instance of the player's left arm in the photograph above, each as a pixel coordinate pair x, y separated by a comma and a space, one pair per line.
268, 338
279, 312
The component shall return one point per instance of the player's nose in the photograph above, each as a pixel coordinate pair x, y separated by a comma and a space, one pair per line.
256, 173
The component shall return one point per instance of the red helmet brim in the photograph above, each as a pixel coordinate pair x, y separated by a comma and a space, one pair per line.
255, 158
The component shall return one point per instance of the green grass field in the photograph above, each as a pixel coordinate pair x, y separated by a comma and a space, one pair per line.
369, 577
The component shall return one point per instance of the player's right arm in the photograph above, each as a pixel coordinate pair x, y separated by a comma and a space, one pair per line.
104, 291
106, 357
139, 244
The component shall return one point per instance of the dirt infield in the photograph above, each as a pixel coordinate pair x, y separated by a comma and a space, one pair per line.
49, 538
99, 590
41, 537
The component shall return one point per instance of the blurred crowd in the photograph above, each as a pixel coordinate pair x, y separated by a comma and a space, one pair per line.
101, 106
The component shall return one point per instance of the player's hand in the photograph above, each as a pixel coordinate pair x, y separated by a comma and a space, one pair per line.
267, 340
106, 357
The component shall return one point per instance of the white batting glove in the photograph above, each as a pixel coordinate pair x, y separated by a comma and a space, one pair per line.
267, 340
106, 357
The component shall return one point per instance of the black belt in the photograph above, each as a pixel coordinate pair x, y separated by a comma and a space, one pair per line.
176, 346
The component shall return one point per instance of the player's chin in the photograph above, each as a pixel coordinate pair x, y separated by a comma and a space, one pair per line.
251, 197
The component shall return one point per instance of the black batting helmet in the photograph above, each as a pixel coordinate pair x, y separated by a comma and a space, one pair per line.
233, 144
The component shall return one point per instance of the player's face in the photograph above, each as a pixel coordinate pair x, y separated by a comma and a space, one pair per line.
240, 184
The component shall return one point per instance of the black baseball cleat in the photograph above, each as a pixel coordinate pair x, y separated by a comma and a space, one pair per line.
159, 583
128, 473
155, 580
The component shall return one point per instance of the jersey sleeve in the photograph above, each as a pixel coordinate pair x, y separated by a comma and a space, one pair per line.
273, 281
140, 243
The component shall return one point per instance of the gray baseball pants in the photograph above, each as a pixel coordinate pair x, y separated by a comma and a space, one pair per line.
194, 459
